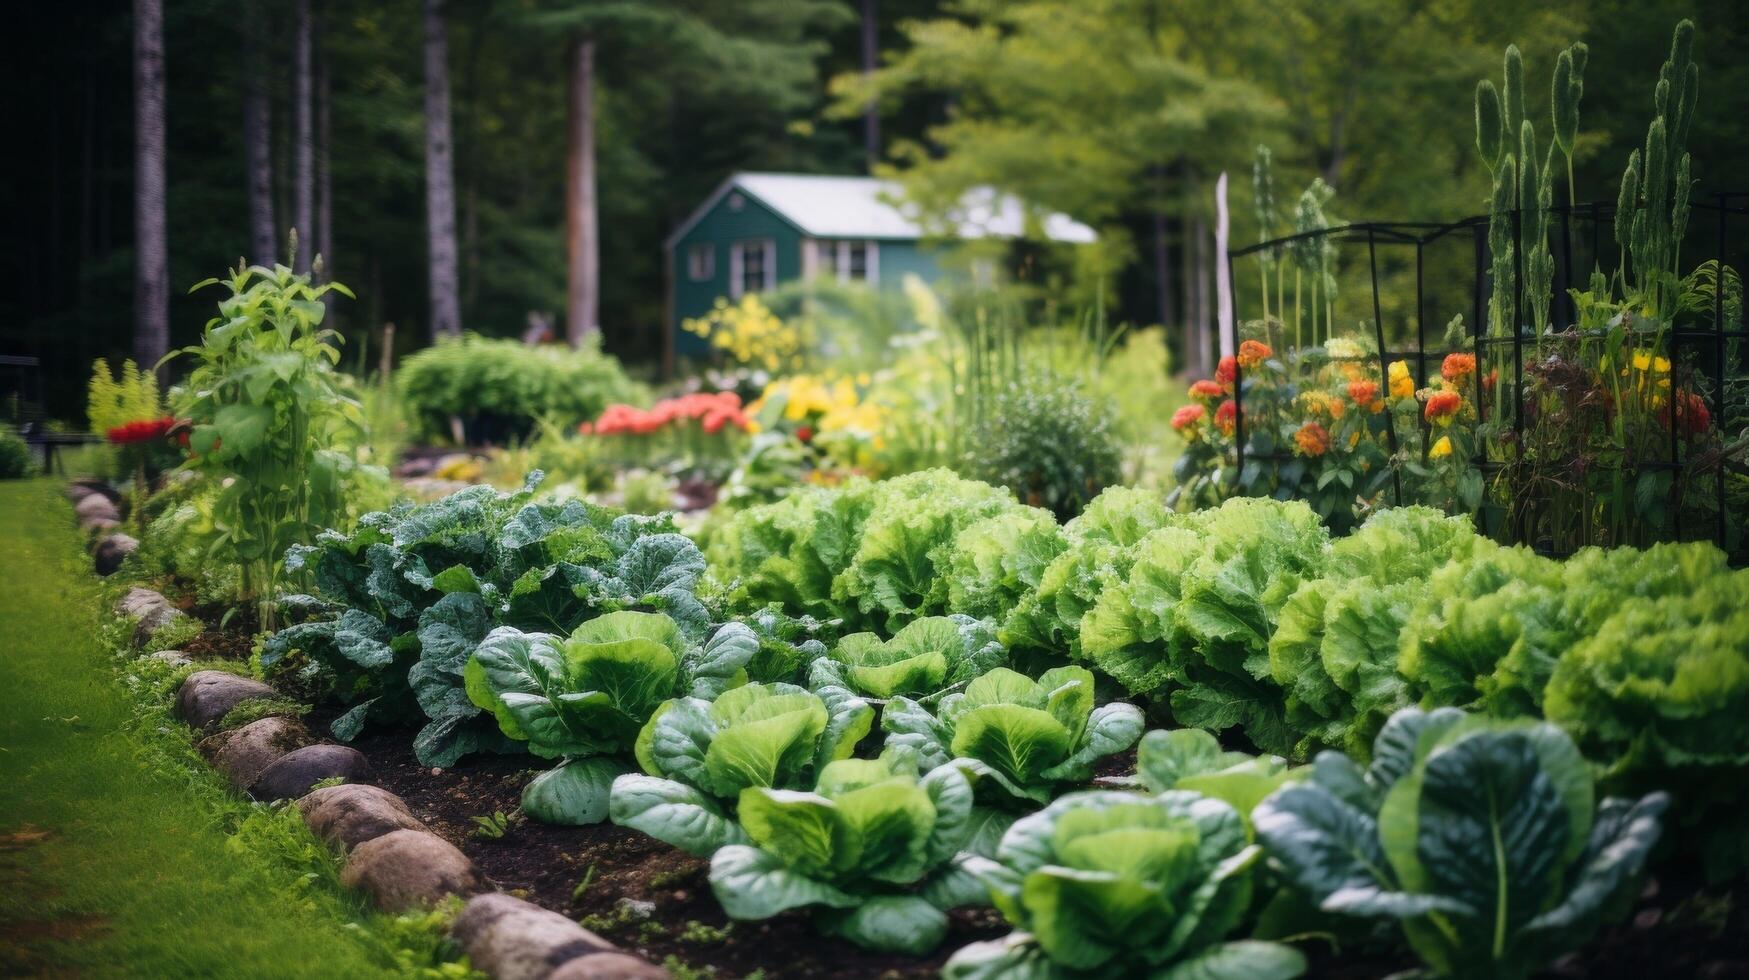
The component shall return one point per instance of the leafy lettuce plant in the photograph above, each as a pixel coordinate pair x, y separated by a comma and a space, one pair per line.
700, 754
590, 695
1191, 619
405, 598
1658, 692
1103, 884
1025, 737
875, 555
998, 561
874, 849
1481, 836
1335, 646
922, 659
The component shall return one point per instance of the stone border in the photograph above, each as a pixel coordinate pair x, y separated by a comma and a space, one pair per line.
389, 854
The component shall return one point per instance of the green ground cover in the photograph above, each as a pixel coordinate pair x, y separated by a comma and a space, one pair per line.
120, 854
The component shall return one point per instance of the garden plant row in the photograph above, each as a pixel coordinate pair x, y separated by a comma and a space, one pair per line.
882, 702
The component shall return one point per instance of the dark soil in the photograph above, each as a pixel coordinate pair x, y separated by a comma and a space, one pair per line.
234, 641
604, 875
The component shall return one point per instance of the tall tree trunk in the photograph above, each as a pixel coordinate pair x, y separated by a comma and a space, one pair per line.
871, 118
1205, 313
151, 243
584, 276
324, 218
303, 139
1164, 303
446, 313
257, 140
1225, 332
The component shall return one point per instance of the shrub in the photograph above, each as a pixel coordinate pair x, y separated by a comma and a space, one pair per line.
1049, 443
16, 459
500, 389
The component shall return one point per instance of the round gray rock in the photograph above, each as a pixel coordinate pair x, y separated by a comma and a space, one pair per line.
174, 658
208, 695
510, 939
139, 602
608, 966
294, 774
97, 527
96, 506
407, 868
111, 551
353, 813
242, 754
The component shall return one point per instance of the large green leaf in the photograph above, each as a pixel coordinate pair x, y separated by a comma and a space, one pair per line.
1084, 919
763, 738
573, 794
673, 813
751, 883
1245, 959
890, 924
804, 831
1018, 742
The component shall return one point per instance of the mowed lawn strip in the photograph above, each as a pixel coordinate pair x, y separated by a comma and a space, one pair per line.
113, 851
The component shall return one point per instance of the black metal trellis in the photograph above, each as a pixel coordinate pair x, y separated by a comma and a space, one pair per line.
1562, 311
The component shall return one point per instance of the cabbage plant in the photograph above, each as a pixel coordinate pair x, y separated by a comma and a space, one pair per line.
1191, 759
874, 849
590, 694
1023, 736
1481, 836
699, 755
1121, 884
921, 659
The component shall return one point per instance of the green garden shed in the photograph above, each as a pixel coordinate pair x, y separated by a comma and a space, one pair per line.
757, 230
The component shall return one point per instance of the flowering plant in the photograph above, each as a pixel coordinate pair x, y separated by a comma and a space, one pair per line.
699, 431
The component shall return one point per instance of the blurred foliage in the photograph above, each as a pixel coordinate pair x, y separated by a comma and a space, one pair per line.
499, 389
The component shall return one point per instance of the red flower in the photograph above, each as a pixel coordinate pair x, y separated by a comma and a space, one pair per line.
1312, 439
1442, 405
1457, 367
1227, 371
1227, 416
1188, 415
1253, 353
1489, 379
1692, 416
805, 433
1365, 394
1206, 390
141, 430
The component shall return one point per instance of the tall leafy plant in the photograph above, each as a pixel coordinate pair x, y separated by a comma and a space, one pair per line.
265, 401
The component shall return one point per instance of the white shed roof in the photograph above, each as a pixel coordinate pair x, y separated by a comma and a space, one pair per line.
864, 207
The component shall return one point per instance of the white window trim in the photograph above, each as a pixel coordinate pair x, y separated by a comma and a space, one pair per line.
834, 255
709, 265
737, 263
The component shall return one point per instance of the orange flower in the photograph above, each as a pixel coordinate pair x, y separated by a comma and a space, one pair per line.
1188, 421
1442, 405
1206, 390
1227, 371
1457, 367
1227, 416
1366, 395
1253, 353
1489, 379
1312, 439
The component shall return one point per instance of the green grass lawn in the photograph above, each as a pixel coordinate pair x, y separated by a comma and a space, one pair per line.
119, 854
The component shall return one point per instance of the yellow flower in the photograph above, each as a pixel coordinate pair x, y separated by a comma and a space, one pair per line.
1441, 449
1402, 385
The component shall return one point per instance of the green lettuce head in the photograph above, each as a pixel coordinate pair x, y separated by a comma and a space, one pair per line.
874, 847
699, 755
1023, 736
1126, 885
922, 659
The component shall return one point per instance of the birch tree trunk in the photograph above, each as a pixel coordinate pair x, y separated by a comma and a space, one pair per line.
258, 140
303, 139
151, 242
446, 316
582, 235
1223, 274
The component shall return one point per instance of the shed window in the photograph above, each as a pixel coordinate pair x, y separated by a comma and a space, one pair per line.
851, 261
701, 262
752, 266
